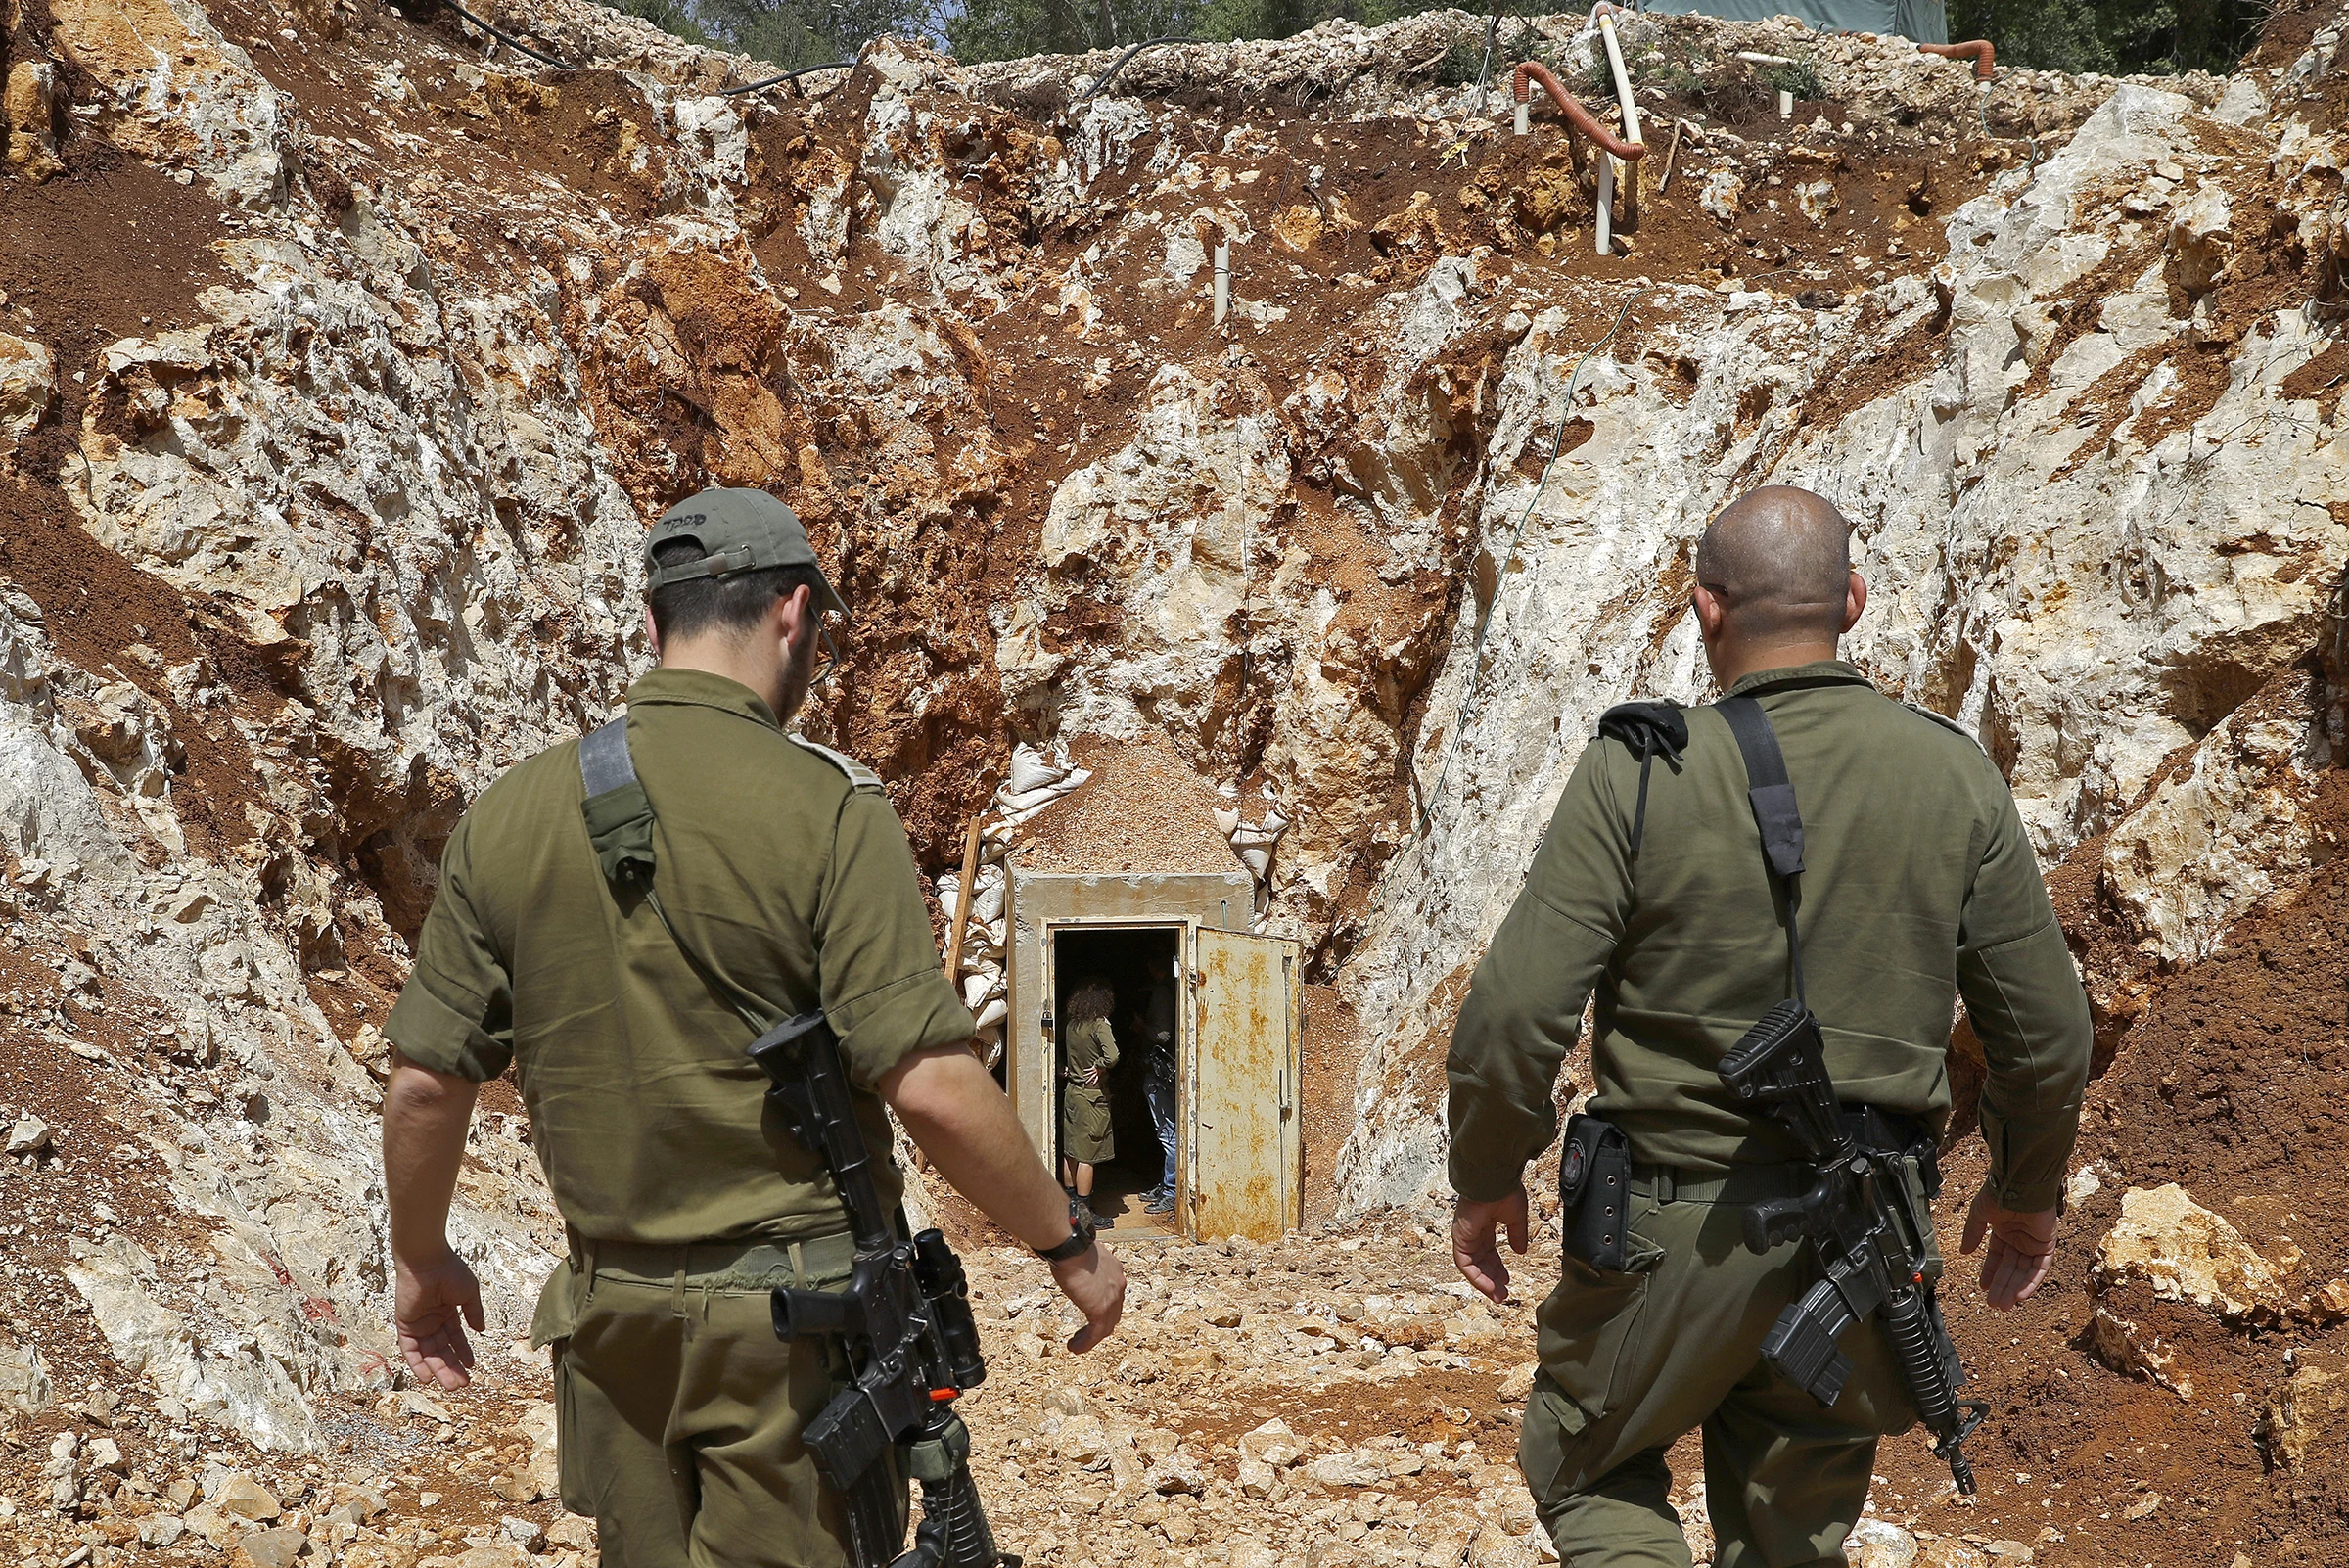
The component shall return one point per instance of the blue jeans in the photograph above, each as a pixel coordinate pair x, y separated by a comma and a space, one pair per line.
1158, 1088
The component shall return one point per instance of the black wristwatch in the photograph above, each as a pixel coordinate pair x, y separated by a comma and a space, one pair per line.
1081, 1236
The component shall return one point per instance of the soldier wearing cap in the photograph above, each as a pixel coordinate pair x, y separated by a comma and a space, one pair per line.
782, 865
1649, 894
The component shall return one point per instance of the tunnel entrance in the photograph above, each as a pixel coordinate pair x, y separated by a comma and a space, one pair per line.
1138, 966
1236, 1035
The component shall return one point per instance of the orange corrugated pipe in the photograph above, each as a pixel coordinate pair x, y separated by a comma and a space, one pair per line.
1576, 116
1978, 50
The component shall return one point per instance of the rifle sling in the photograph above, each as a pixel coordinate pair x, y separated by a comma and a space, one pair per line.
619, 828
1771, 794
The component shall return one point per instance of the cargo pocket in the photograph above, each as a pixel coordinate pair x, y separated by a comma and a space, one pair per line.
571, 1482
557, 1311
1589, 1326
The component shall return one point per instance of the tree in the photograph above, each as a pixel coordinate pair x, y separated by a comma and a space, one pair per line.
2125, 37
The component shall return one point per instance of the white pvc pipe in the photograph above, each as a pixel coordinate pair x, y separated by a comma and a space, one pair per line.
1525, 120
1785, 105
1606, 201
1622, 79
1630, 129
1222, 280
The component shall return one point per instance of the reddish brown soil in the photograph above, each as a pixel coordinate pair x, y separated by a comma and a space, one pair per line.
2229, 1082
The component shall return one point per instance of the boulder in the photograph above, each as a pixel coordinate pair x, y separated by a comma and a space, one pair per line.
241, 1497
1356, 1467
31, 98
27, 384
25, 1385
1273, 1444
2119, 1344
276, 1548
2185, 1253
2305, 1416
1880, 1543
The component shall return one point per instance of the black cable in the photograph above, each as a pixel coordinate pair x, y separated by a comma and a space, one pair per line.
1146, 43
789, 76
1484, 72
509, 39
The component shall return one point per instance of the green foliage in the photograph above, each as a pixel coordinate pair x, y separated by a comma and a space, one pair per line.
1463, 62
668, 15
1799, 79
787, 32
2126, 37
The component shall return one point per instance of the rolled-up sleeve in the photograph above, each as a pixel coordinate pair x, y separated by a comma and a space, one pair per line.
455, 1014
2030, 1012
1524, 1007
883, 987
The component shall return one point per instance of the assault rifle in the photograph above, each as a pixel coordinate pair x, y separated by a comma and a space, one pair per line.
905, 1321
1868, 1231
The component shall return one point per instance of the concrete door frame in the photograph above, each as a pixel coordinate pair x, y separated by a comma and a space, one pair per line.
1038, 903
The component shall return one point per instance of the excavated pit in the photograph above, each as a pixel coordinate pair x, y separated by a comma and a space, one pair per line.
342, 365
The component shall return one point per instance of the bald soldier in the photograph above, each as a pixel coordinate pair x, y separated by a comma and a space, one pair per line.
1651, 890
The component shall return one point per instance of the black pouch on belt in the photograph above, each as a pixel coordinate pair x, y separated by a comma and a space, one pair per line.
1594, 1186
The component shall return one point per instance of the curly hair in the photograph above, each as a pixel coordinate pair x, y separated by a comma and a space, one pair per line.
1092, 1000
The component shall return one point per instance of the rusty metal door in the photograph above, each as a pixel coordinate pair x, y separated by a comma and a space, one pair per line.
1246, 1153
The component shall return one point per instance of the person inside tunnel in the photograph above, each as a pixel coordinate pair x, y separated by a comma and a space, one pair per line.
1133, 1179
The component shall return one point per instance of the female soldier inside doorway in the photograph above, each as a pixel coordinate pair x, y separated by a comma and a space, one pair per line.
1089, 1049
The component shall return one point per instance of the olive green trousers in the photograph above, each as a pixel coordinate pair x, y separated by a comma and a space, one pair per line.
679, 1413
1631, 1362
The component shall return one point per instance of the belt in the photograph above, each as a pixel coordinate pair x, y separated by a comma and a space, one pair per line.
1746, 1184
719, 1265
1870, 1126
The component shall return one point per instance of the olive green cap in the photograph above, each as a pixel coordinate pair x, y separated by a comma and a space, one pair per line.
738, 531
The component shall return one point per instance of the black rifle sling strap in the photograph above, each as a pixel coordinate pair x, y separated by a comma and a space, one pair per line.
620, 825
1646, 729
1772, 793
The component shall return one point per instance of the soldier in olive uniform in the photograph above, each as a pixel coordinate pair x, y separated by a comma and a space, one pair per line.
785, 870
1918, 884
1088, 1051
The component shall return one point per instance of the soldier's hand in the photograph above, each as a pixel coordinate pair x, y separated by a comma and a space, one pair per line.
2022, 1248
1095, 1283
1476, 1250
432, 1307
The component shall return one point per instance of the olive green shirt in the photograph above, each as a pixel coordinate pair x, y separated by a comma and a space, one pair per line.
1918, 886
781, 865
1086, 1046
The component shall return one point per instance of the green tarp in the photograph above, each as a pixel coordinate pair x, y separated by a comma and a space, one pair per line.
1918, 21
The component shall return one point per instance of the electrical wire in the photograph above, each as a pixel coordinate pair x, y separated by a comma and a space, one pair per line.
789, 76
1147, 43
1484, 72
1484, 625
509, 40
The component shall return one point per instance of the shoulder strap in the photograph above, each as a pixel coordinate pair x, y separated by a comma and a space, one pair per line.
620, 825
1646, 729
619, 815
1766, 785
1771, 794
